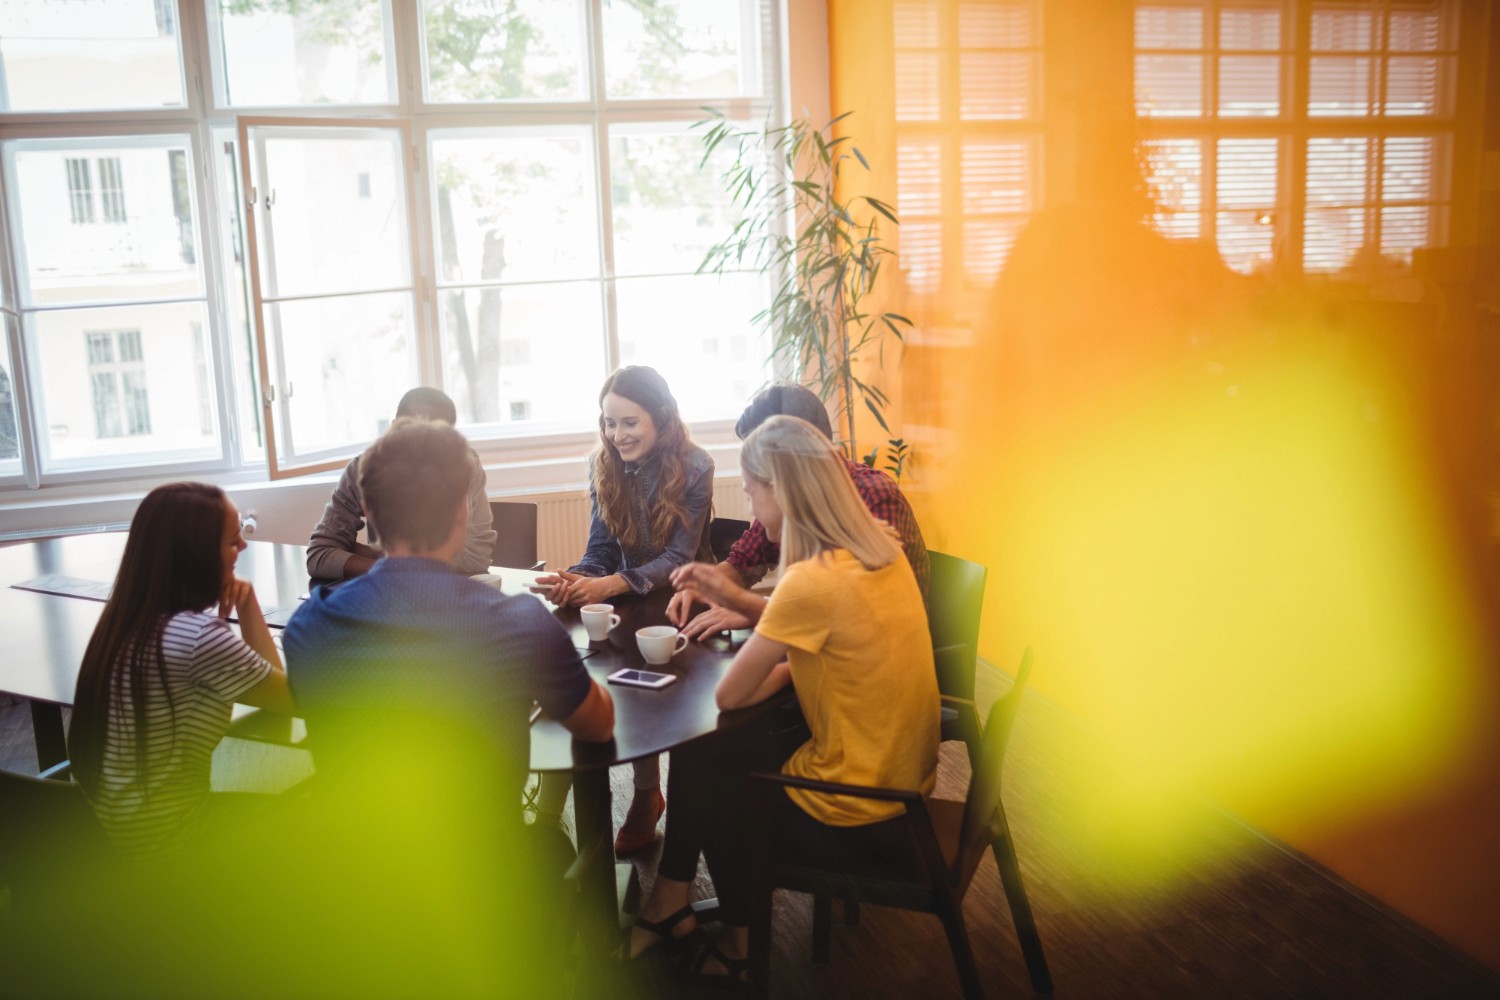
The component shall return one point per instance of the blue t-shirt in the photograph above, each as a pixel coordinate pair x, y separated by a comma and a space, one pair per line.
416, 664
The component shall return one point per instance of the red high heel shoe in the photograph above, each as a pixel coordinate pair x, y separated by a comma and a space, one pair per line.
626, 845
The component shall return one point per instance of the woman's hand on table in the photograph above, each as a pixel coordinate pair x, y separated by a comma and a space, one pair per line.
566, 588
706, 582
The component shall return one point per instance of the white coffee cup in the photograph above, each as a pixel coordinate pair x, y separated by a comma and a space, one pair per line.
598, 619
659, 643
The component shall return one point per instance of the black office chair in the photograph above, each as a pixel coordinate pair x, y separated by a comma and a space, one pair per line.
954, 605
54, 866
951, 838
723, 532
515, 535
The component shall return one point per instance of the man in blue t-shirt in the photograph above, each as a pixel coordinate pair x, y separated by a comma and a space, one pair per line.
411, 667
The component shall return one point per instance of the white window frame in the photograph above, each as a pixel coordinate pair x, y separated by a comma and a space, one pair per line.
532, 461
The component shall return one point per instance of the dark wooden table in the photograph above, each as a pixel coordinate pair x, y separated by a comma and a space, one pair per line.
43, 636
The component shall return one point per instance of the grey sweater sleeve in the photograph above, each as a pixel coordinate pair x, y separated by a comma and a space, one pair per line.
335, 537
479, 546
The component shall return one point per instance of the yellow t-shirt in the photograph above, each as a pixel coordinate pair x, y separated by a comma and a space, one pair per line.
861, 660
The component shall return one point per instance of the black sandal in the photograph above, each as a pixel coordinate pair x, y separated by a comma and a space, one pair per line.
736, 974
663, 930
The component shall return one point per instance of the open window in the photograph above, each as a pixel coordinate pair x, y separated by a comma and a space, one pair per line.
332, 285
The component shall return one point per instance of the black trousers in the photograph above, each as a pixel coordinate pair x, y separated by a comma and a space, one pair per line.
715, 810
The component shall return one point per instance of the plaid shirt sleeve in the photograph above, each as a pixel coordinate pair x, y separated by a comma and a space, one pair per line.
753, 553
885, 500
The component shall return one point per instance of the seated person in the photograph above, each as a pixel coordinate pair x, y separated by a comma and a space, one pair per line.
651, 494
162, 670
411, 648
335, 553
844, 626
734, 607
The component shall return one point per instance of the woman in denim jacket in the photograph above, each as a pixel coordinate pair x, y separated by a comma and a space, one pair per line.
651, 497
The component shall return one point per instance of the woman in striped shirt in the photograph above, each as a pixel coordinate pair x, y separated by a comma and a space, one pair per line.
162, 670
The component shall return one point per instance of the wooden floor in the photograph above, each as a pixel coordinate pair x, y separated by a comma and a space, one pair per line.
1221, 913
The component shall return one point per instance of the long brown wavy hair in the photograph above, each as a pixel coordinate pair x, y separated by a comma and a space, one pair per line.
173, 562
645, 388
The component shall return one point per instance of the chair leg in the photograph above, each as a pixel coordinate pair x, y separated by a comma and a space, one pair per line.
822, 927
968, 724
851, 912
1020, 911
950, 911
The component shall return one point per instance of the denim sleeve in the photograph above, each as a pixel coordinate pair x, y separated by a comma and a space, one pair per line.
682, 547
333, 540
603, 556
479, 545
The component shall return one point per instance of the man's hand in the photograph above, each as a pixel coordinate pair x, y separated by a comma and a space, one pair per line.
713, 621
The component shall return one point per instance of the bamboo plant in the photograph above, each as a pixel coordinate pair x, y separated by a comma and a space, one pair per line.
825, 263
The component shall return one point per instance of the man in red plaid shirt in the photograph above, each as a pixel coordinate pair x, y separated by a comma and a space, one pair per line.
754, 553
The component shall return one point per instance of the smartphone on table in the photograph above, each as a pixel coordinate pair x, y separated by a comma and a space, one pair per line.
631, 677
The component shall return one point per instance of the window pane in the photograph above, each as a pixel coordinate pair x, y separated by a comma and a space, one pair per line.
918, 86
119, 385
1419, 30
308, 52
696, 331
681, 48
89, 57
338, 219
1247, 184
524, 353
1250, 28
1002, 24
995, 85
1338, 171
1339, 86
1332, 235
996, 189
242, 351
1168, 86
1349, 30
515, 207
1415, 85
345, 364
532, 51
1168, 28
105, 223
668, 210
10, 431
1249, 86
1403, 229
1175, 171
1409, 171
919, 203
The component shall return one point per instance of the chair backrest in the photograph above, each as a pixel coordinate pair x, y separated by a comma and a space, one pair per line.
984, 817
46, 829
955, 600
723, 532
515, 534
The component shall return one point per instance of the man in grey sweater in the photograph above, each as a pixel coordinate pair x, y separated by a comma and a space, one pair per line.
335, 553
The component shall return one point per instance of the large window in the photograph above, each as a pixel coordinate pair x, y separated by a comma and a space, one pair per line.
1302, 137
968, 149
355, 197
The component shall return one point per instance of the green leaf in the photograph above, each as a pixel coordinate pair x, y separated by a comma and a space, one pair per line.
860, 157
883, 209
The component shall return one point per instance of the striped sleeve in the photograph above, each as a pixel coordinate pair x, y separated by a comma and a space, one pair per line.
224, 665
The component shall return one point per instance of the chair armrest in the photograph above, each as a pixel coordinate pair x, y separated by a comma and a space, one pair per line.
62, 771
836, 788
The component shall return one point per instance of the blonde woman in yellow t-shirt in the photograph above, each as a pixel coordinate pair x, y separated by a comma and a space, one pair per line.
846, 627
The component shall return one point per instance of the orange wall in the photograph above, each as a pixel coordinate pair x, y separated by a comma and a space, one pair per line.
1243, 524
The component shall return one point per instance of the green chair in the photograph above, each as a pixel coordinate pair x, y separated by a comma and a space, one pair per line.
955, 602
950, 838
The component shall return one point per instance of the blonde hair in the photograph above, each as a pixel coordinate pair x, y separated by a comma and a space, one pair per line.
820, 507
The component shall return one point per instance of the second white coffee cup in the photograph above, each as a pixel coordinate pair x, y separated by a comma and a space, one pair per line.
598, 619
659, 643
